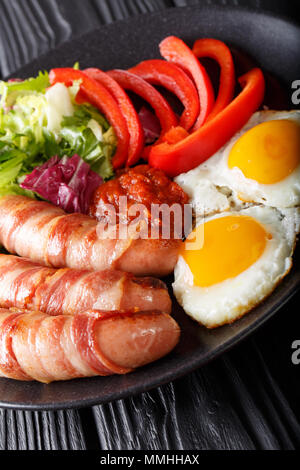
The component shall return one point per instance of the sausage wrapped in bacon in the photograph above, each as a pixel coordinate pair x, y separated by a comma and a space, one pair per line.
25, 284
37, 346
45, 234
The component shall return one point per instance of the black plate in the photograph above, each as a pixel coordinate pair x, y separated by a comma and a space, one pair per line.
275, 43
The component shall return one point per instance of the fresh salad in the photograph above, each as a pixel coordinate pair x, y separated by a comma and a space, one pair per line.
44, 131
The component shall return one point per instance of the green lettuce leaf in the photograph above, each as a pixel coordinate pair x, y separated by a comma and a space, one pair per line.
9, 91
78, 137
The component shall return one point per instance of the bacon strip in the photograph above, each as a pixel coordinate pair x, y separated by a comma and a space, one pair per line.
45, 234
37, 346
25, 284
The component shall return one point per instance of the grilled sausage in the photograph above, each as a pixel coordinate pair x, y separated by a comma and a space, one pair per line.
37, 346
25, 284
45, 234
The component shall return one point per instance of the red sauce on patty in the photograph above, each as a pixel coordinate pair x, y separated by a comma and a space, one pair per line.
139, 185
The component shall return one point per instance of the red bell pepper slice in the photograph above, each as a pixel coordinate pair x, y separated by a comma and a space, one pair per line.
218, 51
203, 143
162, 109
174, 135
101, 98
174, 79
136, 133
175, 50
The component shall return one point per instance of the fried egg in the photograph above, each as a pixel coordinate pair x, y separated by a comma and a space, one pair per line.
259, 165
233, 260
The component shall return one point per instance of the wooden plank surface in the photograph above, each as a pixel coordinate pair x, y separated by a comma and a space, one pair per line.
247, 399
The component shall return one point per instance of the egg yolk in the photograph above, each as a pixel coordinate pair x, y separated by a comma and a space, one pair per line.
231, 244
269, 152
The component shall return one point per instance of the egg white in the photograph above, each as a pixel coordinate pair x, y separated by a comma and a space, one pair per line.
228, 300
213, 187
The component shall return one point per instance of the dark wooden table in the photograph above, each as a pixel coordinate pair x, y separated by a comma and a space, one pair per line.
247, 399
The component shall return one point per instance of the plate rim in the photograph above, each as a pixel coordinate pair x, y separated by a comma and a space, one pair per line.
173, 9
